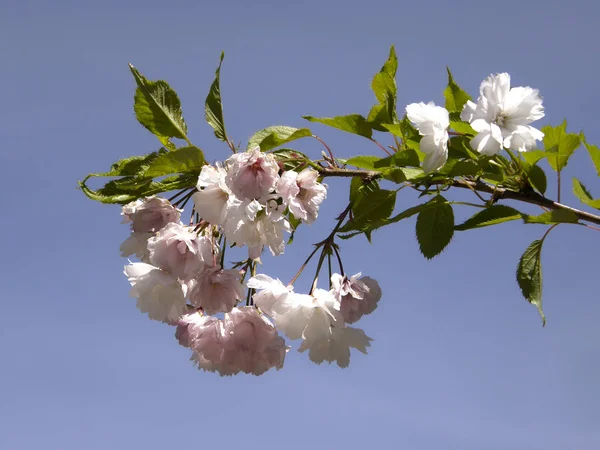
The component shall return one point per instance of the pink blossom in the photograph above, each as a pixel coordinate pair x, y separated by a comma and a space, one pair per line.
150, 214
245, 341
217, 290
188, 325
252, 344
252, 174
302, 193
181, 252
357, 296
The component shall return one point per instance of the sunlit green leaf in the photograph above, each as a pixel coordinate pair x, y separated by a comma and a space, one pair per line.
584, 195
594, 152
559, 145
213, 106
554, 216
182, 160
353, 123
275, 136
455, 96
157, 107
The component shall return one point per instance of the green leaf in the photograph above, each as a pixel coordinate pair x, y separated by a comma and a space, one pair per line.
384, 87
455, 96
353, 123
460, 168
370, 203
158, 108
559, 145
493, 215
182, 160
584, 195
534, 156
129, 166
364, 162
409, 135
529, 276
271, 137
537, 178
291, 159
554, 216
213, 106
128, 189
435, 228
594, 152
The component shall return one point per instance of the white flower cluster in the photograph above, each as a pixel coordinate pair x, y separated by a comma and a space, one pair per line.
320, 319
501, 117
180, 280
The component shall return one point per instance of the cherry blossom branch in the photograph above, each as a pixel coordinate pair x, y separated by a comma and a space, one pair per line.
498, 193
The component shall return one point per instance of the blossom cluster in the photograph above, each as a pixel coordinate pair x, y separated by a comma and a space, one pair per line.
181, 279
501, 118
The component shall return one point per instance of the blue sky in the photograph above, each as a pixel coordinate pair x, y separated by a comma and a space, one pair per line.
459, 359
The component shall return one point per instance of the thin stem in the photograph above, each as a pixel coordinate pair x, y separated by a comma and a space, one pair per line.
224, 247
170, 199
558, 185
319, 265
327, 147
478, 196
380, 146
339, 258
329, 266
303, 266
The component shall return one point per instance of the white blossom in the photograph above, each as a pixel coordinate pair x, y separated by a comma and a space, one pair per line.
302, 193
336, 347
211, 199
136, 244
271, 293
502, 116
159, 294
432, 122
252, 174
249, 223
307, 316
181, 252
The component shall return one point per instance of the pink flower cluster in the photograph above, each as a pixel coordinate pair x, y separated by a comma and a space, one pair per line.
246, 201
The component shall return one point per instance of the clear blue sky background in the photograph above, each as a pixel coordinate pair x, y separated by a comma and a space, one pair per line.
460, 360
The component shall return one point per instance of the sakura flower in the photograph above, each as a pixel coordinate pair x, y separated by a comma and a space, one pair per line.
212, 195
206, 337
302, 193
307, 316
249, 223
336, 347
251, 343
188, 327
149, 214
432, 122
217, 290
180, 251
502, 116
271, 293
252, 174
136, 244
361, 297
159, 294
